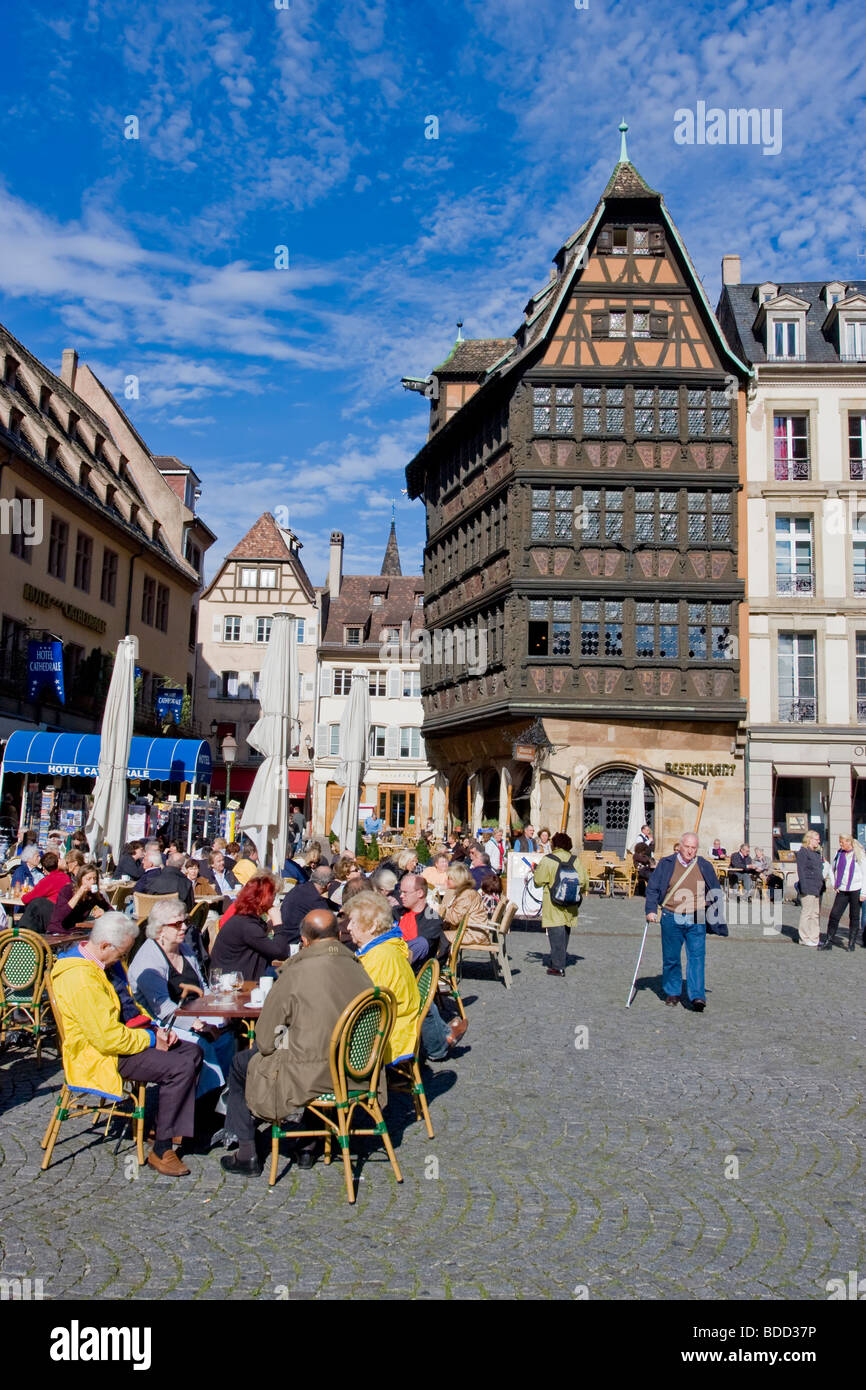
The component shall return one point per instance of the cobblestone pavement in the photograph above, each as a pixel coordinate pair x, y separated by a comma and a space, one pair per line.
608, 1169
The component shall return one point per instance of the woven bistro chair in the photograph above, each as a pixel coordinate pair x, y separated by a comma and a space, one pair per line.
120, 895
497, 947
595, 871
450, 969
356, 1056
144, 902
24, 960
71, 1105
624, 876
406, 1074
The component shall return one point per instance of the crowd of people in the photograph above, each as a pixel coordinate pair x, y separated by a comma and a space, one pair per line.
320, 934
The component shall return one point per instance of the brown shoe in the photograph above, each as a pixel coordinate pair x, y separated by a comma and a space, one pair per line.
457, 1029
169, 1165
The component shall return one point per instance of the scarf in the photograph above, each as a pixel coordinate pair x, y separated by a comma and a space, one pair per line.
845, 863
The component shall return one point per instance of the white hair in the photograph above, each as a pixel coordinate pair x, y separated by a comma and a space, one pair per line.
166, 910
154, 857
115, 928
29, 852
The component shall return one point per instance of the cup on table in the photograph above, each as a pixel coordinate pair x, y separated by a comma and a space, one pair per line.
265, 984
257, 997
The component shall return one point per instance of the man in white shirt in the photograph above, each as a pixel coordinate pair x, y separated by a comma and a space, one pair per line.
495, 851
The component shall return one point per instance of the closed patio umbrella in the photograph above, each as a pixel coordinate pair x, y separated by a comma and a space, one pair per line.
354, 735
265, 815
636, 811
106, 824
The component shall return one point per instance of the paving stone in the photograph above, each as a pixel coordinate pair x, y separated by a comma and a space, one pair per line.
559, 1167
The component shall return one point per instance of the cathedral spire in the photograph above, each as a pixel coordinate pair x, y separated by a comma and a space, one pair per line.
391, 562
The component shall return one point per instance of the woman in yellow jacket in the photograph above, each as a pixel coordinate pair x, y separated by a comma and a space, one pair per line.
380, 948
385, 956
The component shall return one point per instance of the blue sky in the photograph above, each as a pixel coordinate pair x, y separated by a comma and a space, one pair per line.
305, 127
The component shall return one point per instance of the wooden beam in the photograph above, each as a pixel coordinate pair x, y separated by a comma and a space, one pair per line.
701, 806
563, 821
508, 809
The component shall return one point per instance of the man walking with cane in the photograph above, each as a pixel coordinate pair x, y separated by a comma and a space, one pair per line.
685, 894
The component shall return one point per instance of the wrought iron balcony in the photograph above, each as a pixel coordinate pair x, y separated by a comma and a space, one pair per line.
860, 583
798, 711
861, 711
792, 470
800, 584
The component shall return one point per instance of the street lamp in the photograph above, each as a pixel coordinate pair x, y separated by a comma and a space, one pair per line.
213, 728
229, 752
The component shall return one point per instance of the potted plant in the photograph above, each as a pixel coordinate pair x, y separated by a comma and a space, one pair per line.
593, 834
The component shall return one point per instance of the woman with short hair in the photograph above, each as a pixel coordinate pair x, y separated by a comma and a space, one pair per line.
159, 971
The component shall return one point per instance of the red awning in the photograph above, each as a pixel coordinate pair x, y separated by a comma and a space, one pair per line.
298, 783
243, 778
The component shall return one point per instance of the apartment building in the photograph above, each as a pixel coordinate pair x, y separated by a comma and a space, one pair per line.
368, 620
806, 551
263, 574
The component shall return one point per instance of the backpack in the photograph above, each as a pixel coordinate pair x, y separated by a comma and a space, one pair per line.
565, 889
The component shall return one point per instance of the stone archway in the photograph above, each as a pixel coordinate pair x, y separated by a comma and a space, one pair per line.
606, 799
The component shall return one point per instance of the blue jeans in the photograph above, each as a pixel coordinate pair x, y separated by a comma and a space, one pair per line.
676, 933
434, 1035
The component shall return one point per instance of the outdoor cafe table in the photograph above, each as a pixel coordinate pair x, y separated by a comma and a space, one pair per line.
231, 1007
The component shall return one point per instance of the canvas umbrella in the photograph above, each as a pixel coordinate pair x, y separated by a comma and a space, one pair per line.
636, 811
265, 816
354, 735
439, 807
106, 824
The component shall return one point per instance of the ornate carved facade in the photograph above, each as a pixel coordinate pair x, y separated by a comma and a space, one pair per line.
581, 485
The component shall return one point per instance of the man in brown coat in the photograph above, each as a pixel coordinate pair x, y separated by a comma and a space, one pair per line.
289, 1063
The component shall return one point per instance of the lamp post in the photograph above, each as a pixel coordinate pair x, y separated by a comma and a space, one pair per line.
229, 752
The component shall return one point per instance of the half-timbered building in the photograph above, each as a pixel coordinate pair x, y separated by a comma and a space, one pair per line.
581, 486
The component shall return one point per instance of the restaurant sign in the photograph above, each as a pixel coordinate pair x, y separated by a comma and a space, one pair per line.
701, 769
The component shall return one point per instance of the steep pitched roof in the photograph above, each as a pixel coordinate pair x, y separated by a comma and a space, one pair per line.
471, 356
626, 182
266, 540
738, 308
543, 308
391, 561
354, 607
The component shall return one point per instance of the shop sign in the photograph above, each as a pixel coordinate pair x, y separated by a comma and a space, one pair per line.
701, 769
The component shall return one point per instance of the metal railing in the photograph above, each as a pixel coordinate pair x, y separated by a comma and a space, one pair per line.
802, 584
798, 711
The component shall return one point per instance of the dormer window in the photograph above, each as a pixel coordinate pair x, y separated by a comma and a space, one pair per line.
854, 340
785, 338
377, 600
766, 292
833, 292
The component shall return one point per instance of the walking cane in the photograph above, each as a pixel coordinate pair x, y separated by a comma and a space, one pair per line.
637, 967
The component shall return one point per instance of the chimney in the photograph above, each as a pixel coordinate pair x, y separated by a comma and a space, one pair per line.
731, 272
69, 367
335, 564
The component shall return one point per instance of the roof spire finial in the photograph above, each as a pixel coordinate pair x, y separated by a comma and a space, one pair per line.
393, 511
460, 330
623, 151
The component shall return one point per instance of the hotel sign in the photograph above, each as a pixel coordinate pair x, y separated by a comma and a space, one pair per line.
69, 610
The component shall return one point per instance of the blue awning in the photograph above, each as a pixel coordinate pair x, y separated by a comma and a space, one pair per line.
77, 755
